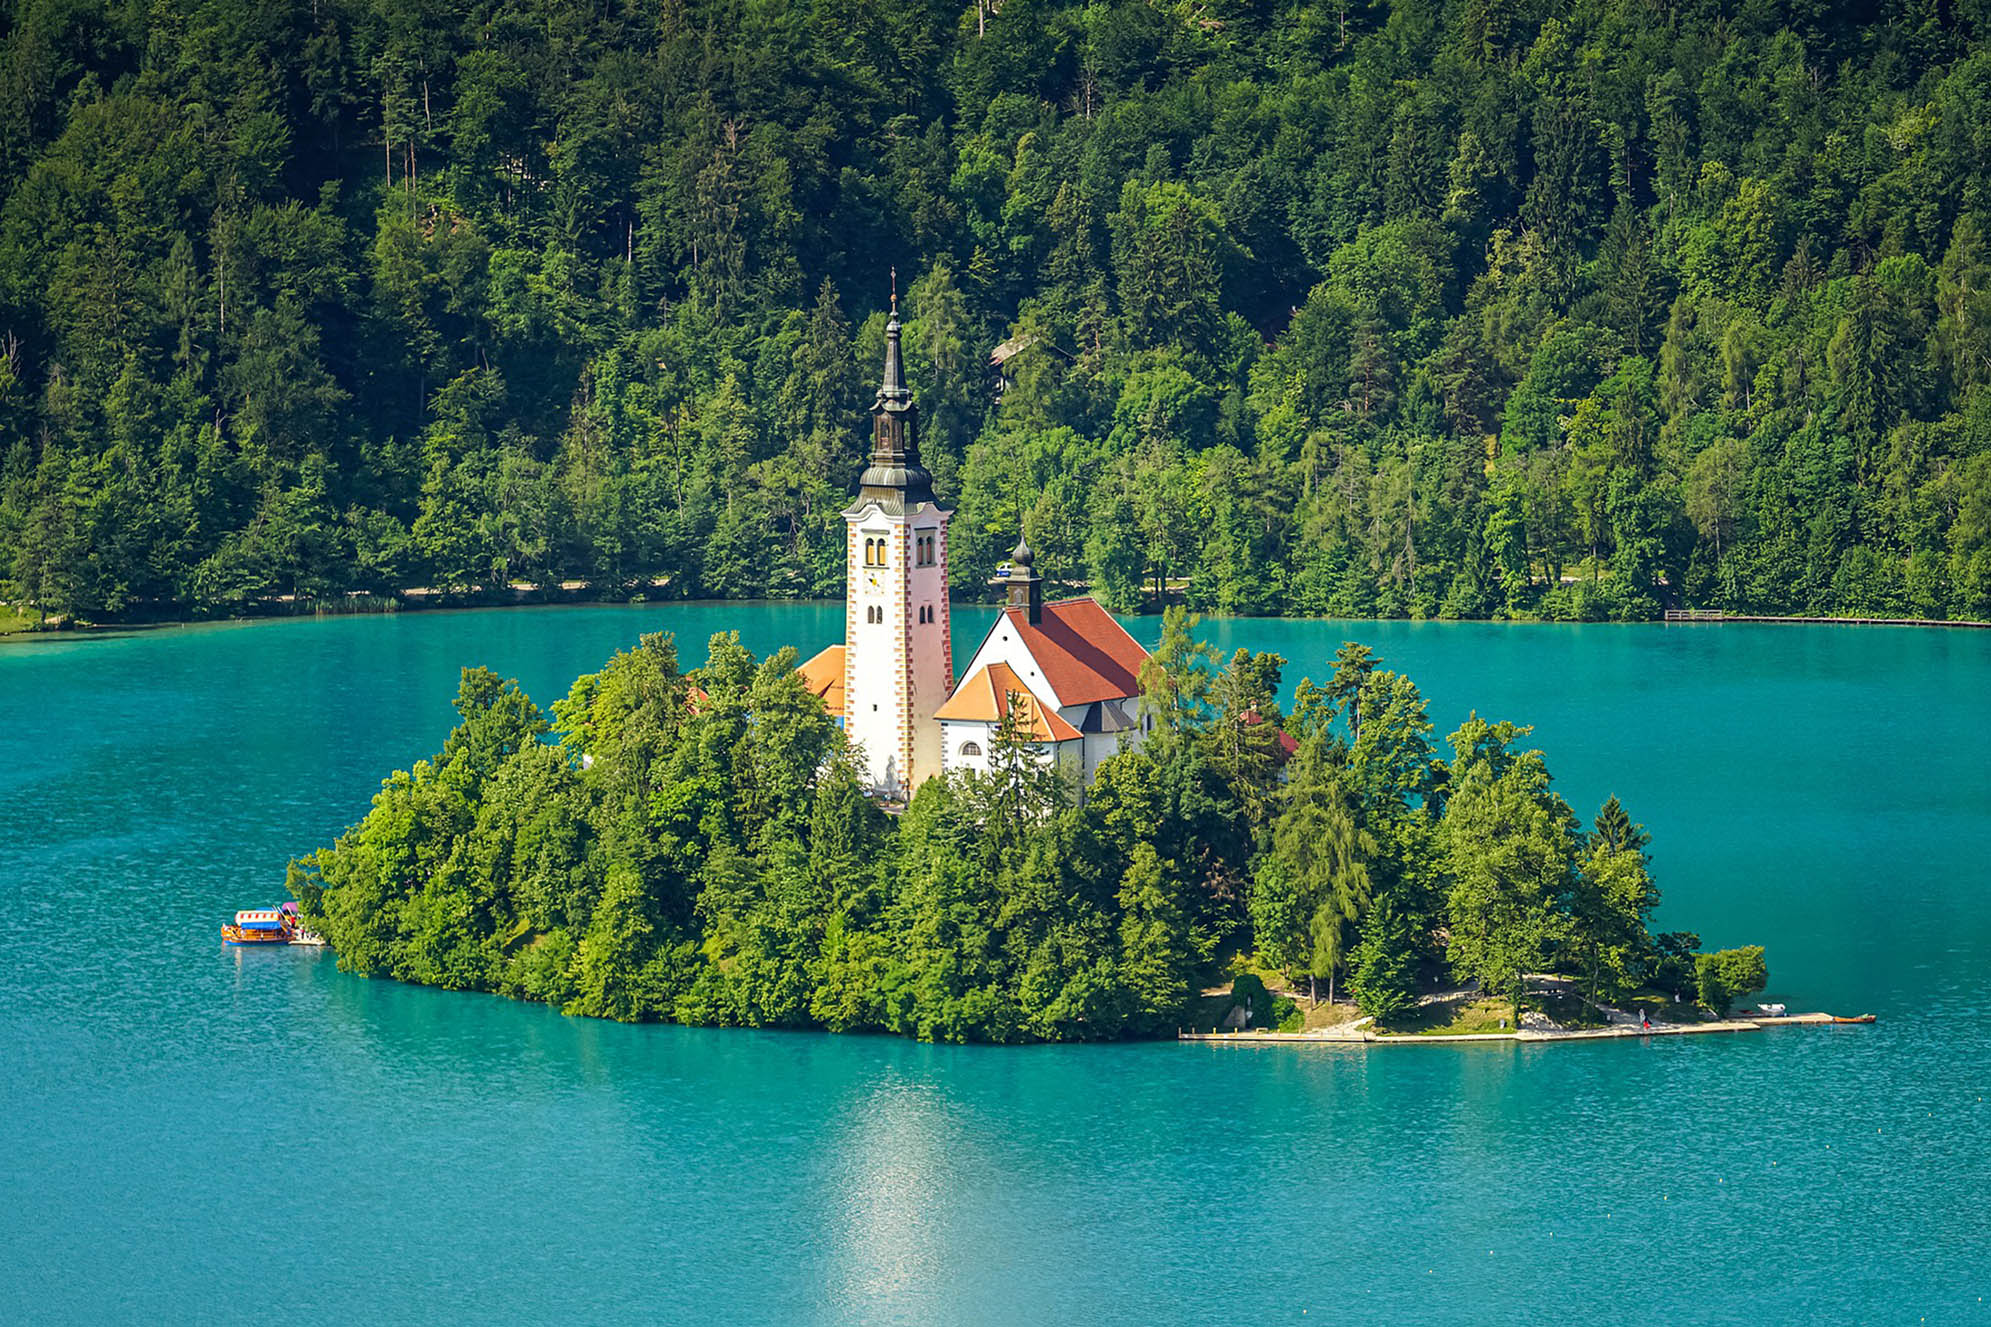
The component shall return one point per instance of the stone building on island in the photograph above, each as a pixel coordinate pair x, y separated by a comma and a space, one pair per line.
1066, 670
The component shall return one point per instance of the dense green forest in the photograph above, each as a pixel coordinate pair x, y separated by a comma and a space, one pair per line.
1315, 306
696, 847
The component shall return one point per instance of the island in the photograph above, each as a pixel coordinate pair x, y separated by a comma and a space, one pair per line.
697, 845
1073, 838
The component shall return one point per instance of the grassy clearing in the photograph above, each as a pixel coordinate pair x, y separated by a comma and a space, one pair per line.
1450, 1018
14, 619
1243, 964
1325, 1015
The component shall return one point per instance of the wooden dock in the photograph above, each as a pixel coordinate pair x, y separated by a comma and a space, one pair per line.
1354, 1036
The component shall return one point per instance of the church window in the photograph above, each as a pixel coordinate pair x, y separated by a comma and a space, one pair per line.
923, 549
971, 748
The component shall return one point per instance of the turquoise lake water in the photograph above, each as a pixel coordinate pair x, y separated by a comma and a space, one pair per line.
191, 1133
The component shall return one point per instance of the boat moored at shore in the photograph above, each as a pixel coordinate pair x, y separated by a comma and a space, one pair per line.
259, 926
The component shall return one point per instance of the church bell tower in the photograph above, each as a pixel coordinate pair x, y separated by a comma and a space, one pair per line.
898, 656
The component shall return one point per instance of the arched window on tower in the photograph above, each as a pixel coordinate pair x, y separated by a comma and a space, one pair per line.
971, 748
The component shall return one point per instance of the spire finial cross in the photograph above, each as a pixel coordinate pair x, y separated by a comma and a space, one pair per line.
895, 289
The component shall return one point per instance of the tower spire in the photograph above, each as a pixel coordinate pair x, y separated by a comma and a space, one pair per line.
895, 472
893, 386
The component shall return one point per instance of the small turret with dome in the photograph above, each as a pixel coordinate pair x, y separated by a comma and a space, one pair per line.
1020, 579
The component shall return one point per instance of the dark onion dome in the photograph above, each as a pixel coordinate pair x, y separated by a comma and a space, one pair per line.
1021, 584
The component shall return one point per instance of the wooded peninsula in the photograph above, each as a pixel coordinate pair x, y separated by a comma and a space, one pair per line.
696, 847
1468, 309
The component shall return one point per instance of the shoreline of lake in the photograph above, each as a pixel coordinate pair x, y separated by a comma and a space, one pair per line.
16, 625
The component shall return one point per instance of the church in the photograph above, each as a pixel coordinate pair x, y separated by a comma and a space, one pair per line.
1066, 671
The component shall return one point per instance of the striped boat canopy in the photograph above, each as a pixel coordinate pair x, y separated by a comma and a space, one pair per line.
259, 919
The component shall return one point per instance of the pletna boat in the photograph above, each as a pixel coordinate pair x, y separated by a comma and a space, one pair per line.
257, 926
1857, 1018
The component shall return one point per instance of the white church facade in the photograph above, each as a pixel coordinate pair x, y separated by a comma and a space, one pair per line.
1067, 671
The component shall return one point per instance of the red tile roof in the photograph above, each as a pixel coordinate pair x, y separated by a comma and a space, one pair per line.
1085, 654
824, 676
1287, 742
985, 698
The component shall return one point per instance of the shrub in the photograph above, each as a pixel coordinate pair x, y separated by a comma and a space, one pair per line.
1728, 973
1248, 990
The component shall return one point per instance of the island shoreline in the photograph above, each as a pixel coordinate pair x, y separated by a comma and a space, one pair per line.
1363, 1037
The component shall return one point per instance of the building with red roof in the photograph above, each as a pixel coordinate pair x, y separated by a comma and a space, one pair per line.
1069, 658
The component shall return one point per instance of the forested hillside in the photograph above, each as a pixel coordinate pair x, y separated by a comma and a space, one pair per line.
1470, 309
